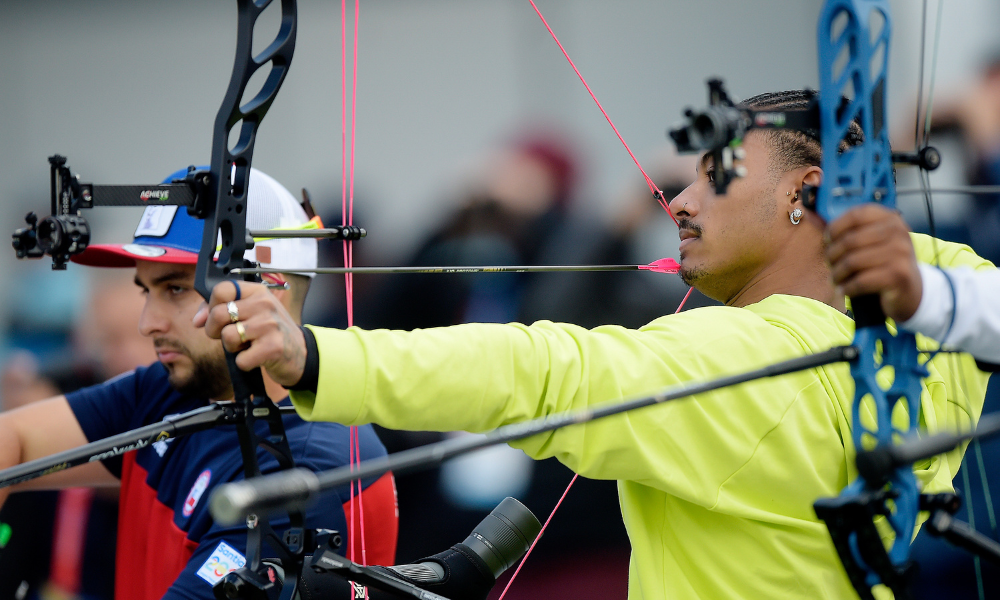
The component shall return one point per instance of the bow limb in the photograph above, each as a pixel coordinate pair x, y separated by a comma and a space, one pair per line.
224, 207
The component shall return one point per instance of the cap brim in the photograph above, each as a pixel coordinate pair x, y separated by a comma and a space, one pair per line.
125, 255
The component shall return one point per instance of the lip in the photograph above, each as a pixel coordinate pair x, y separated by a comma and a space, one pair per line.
166, 356
688, 237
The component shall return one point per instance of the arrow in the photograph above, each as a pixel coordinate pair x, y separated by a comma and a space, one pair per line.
663, 265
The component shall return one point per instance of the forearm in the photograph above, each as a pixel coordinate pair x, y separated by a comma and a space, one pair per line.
42, 429
473, 377
970, 321
10, 453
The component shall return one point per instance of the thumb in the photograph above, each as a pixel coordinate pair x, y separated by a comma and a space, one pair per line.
201, 316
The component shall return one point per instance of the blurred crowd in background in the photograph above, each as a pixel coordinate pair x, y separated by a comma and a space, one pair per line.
520, 206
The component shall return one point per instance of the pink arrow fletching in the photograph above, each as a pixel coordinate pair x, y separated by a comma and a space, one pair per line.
664, 265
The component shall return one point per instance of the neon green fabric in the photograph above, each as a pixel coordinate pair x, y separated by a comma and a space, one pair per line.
717, 490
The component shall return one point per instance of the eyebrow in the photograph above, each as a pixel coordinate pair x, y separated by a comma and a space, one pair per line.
702, 162
168, 276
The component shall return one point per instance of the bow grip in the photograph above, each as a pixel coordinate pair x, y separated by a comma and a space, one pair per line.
868, 311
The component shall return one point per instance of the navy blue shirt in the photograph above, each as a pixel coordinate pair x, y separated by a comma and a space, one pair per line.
168, 544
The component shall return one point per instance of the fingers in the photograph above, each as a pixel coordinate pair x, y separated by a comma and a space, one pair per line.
866, 227
258, 329
867, 250
870, 252
860, 216
215, 315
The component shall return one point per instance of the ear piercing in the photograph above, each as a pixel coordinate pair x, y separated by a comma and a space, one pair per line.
796, 216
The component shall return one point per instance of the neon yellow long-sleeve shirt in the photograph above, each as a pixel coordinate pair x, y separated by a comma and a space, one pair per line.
717, 490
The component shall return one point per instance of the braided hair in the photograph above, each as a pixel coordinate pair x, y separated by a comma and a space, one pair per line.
795, 149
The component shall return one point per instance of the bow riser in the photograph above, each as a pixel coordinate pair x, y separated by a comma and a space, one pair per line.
862, 173
225, 213
853, 43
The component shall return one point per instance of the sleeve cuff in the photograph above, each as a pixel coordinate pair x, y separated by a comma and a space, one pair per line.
339, 390
934, 312
310, 373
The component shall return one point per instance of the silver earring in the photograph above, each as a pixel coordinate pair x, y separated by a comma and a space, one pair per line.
788, 193
796, 216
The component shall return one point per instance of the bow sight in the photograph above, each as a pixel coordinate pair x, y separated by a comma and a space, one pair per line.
66, 232
719, 129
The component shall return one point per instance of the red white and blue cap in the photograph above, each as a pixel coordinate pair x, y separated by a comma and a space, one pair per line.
169, 234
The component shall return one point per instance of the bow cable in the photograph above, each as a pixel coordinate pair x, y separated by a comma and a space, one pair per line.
347, 220
657, 192
921, 139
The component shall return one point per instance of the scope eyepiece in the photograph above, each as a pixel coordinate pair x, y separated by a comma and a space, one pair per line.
503, 537
710, 128
61, 236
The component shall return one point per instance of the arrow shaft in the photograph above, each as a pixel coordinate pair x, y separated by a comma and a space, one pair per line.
445, 270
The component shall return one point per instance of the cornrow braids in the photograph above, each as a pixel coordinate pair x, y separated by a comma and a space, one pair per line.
795, 149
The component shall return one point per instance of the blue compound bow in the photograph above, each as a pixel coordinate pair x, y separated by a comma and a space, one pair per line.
858, 174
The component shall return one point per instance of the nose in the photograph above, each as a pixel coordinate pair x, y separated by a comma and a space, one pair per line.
152, 321
684, 204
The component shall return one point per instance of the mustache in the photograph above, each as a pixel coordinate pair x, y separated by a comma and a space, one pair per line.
688, 224
160, 344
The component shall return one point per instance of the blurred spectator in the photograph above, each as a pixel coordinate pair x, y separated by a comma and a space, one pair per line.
974, 113
63, 543
642, 232
518, 213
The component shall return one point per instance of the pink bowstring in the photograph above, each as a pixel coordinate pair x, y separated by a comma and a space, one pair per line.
680, 306
537, 537
347, 218
664, 264
656, 191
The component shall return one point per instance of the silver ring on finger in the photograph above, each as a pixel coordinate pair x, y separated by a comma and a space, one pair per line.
234, 312
242, 331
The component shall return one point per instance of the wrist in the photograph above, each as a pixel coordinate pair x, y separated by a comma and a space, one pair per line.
309, 380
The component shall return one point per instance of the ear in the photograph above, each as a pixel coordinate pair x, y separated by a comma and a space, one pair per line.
798, 178
811, 176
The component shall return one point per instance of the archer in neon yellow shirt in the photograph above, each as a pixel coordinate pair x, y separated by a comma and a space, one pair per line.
717, 490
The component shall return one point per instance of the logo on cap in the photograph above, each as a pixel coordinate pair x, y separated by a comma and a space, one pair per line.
155, 221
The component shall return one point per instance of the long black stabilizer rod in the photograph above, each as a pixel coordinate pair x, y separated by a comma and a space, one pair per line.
878, 464
199, 419
297, 488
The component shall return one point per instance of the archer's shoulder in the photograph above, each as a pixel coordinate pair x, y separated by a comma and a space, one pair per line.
778, 310
933, 251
